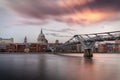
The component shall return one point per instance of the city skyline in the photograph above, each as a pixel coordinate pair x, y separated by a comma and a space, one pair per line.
61, 22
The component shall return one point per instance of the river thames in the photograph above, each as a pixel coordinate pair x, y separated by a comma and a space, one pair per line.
59, 67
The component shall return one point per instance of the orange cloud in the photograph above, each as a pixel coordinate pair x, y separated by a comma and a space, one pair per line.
84, 16
71, 3
87, 17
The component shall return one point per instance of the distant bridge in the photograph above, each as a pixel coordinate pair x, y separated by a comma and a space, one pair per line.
88, 41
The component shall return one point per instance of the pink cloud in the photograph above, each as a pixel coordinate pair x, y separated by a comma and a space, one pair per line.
82, 12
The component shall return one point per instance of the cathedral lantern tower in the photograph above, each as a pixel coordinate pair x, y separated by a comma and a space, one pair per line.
41, 39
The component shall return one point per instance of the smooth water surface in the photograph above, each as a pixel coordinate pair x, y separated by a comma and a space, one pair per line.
58, 67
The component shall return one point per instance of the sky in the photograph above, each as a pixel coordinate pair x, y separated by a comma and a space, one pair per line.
59, 19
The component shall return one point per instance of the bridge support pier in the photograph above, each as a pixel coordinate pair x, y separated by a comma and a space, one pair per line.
88, 53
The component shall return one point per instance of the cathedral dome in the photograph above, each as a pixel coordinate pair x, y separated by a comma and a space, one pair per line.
41, 39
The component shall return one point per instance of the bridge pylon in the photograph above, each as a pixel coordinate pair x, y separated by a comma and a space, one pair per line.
87, 45
88, 53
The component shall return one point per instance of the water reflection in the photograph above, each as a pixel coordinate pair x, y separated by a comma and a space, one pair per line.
88, 61
55, 67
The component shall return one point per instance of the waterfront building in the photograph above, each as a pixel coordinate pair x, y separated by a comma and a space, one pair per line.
117, 41
21, 47
5, 42
40, 46
41, 39
57, 42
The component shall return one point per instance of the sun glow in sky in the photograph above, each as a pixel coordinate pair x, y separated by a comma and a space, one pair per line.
88, 17
59, 19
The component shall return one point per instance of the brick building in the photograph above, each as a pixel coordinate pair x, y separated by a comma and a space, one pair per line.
20, 47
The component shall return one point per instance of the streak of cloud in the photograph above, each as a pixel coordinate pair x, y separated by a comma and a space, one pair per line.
62, 30
57, 35
31, 22
82, 12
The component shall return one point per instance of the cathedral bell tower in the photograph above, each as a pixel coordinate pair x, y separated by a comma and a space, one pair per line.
26, 50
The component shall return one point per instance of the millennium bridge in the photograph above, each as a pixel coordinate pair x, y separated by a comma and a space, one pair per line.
88, 41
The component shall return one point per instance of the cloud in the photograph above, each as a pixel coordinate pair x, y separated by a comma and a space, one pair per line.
31, 22
62, 30
57, 35
82, 12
